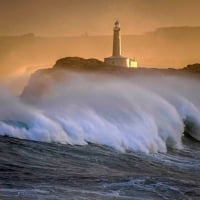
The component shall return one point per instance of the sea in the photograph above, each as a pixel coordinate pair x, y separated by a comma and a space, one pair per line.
102, 138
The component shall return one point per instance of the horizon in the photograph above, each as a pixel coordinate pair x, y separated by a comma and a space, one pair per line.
85, 34
67, 17
99, 99
63, 28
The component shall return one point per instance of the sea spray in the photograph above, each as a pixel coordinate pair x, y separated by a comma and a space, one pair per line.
26, 122
119, 113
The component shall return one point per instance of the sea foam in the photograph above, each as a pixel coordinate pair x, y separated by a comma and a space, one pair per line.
141, 114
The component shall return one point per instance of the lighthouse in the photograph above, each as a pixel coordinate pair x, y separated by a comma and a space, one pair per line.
116, 40
116, 58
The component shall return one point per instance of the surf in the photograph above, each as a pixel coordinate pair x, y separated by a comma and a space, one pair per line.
138, 114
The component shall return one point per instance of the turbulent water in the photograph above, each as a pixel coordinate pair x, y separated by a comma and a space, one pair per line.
103, 138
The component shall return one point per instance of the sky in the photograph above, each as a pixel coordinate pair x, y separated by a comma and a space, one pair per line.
76, 17
174, 48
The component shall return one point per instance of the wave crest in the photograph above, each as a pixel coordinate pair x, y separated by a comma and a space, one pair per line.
116, 113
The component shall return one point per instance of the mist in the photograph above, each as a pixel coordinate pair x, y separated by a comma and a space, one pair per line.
163, 48
75, 17
46, 32
145, 114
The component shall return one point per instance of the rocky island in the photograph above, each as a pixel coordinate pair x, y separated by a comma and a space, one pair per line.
41, 80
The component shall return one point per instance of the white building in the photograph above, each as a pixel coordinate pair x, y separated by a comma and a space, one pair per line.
116, 58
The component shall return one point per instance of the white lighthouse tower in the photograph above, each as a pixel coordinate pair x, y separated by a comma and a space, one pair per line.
116, 58
116, 40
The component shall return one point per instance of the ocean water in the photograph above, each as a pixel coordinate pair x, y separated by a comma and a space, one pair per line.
36, 170
102, 138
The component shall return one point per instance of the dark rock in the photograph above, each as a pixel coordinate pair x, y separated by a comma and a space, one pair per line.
194, 68
41, 81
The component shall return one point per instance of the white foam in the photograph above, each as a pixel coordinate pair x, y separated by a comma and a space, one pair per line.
116, 113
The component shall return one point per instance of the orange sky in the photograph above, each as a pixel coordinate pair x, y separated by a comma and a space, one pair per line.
75, 17
175, 47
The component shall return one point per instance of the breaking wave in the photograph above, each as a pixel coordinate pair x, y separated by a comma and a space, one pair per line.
147, 115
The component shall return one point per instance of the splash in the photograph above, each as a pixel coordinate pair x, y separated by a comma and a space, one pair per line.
135, 114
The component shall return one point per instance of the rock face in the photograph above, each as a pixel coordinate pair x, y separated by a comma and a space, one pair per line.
194, 68
78, 64
42, 80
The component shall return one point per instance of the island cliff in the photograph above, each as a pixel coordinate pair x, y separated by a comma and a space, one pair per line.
41, 81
